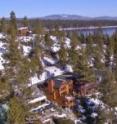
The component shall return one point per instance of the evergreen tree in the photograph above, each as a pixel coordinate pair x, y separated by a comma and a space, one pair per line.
5, 88
17, 111
2, 25
63, 52
38, 27
48, 41
25, 21
73, 53
102, 116
13, 25
108, 88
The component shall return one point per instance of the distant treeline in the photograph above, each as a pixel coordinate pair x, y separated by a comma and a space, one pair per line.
74, 23
58, 23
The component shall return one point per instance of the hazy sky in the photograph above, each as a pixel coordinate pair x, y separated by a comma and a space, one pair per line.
37, 8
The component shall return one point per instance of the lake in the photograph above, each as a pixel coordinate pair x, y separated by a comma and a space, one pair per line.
86, 31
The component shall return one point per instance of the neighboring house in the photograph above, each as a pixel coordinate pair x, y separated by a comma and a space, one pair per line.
60, 90
84, 87
23, 31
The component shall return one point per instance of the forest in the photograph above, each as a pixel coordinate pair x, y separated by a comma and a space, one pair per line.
88, 55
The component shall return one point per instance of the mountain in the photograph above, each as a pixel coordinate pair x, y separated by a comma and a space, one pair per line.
76, 17
66, 17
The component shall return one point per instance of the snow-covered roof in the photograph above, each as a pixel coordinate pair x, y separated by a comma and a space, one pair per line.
40, 106
37, 80
37, 99
54, 71
49, 72
22, 28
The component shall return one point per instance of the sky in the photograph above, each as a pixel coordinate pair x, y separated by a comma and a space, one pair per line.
40, 8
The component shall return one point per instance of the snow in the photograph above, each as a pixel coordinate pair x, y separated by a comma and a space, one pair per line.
37, 99
50, 60
60, 116
1, 62
48, 72
22, 28
36, 80
56, 44
54, 71
40, 107
68, 68
2, 36
111, 57
2, 50
78, 121
78, 47
115, 108
25, 38
97, 102
67, 43
56, 47
93, 115
26, 50
80, 109
53, 38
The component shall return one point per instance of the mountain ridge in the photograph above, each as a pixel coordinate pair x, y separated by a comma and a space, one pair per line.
76, 17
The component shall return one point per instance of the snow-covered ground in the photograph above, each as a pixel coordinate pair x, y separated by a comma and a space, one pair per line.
56, 44
2, 36
49, 60
2, 51
49, 72
26, 50
25, 38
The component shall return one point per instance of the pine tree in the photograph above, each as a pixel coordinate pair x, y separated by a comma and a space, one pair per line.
108, 88
102, 116
48, 41
5, 88
17, 111
38, 27
13, 25
63, 52
25, 21
73, 53
2, 25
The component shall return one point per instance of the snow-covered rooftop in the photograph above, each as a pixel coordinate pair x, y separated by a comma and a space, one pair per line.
37, 99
